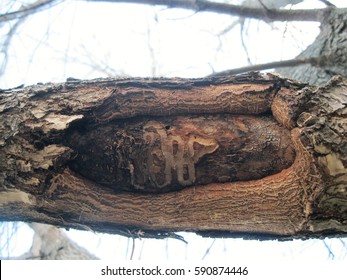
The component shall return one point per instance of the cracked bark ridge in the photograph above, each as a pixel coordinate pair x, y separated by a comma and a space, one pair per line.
330, 45
180, 125
325, 127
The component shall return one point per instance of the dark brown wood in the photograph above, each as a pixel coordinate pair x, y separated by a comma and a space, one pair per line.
269, 156
163, 154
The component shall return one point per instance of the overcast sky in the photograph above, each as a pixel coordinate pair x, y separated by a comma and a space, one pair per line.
88, 40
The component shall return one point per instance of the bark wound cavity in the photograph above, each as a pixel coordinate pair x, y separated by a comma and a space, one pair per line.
166, 154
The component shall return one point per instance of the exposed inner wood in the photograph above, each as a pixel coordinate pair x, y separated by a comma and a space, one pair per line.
277, 204
165, 154
187, 98
244, 154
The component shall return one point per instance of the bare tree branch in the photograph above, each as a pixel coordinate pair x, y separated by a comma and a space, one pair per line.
235, 10
315, 61
27, 10
208, 249
331, 254
244, 46
6, 44
328, 3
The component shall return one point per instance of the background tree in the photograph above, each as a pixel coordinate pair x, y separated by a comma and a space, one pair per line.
320, 60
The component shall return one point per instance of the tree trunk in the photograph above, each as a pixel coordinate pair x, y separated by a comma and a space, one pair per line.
251, 155
51, 243
330, 45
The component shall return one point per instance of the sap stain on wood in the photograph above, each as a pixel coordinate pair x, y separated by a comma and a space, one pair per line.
167, 154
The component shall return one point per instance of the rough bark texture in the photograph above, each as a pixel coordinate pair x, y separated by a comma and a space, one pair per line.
325, 127
145, 157
330, 45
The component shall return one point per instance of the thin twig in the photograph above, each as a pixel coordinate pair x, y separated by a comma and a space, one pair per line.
244, 46
208, 249
316, 61
6, 44
132, 249
331, 254
235, 10
231, 26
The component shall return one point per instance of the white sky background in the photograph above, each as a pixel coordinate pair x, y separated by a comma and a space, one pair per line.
89, 40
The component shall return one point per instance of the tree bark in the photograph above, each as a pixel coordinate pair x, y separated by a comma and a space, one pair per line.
51, 243
251, 155
330, 45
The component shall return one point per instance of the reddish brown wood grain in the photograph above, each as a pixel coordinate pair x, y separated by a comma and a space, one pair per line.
251, 154
166, 154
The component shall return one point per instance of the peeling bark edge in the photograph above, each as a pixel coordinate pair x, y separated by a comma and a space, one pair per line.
325, 132
297, 104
